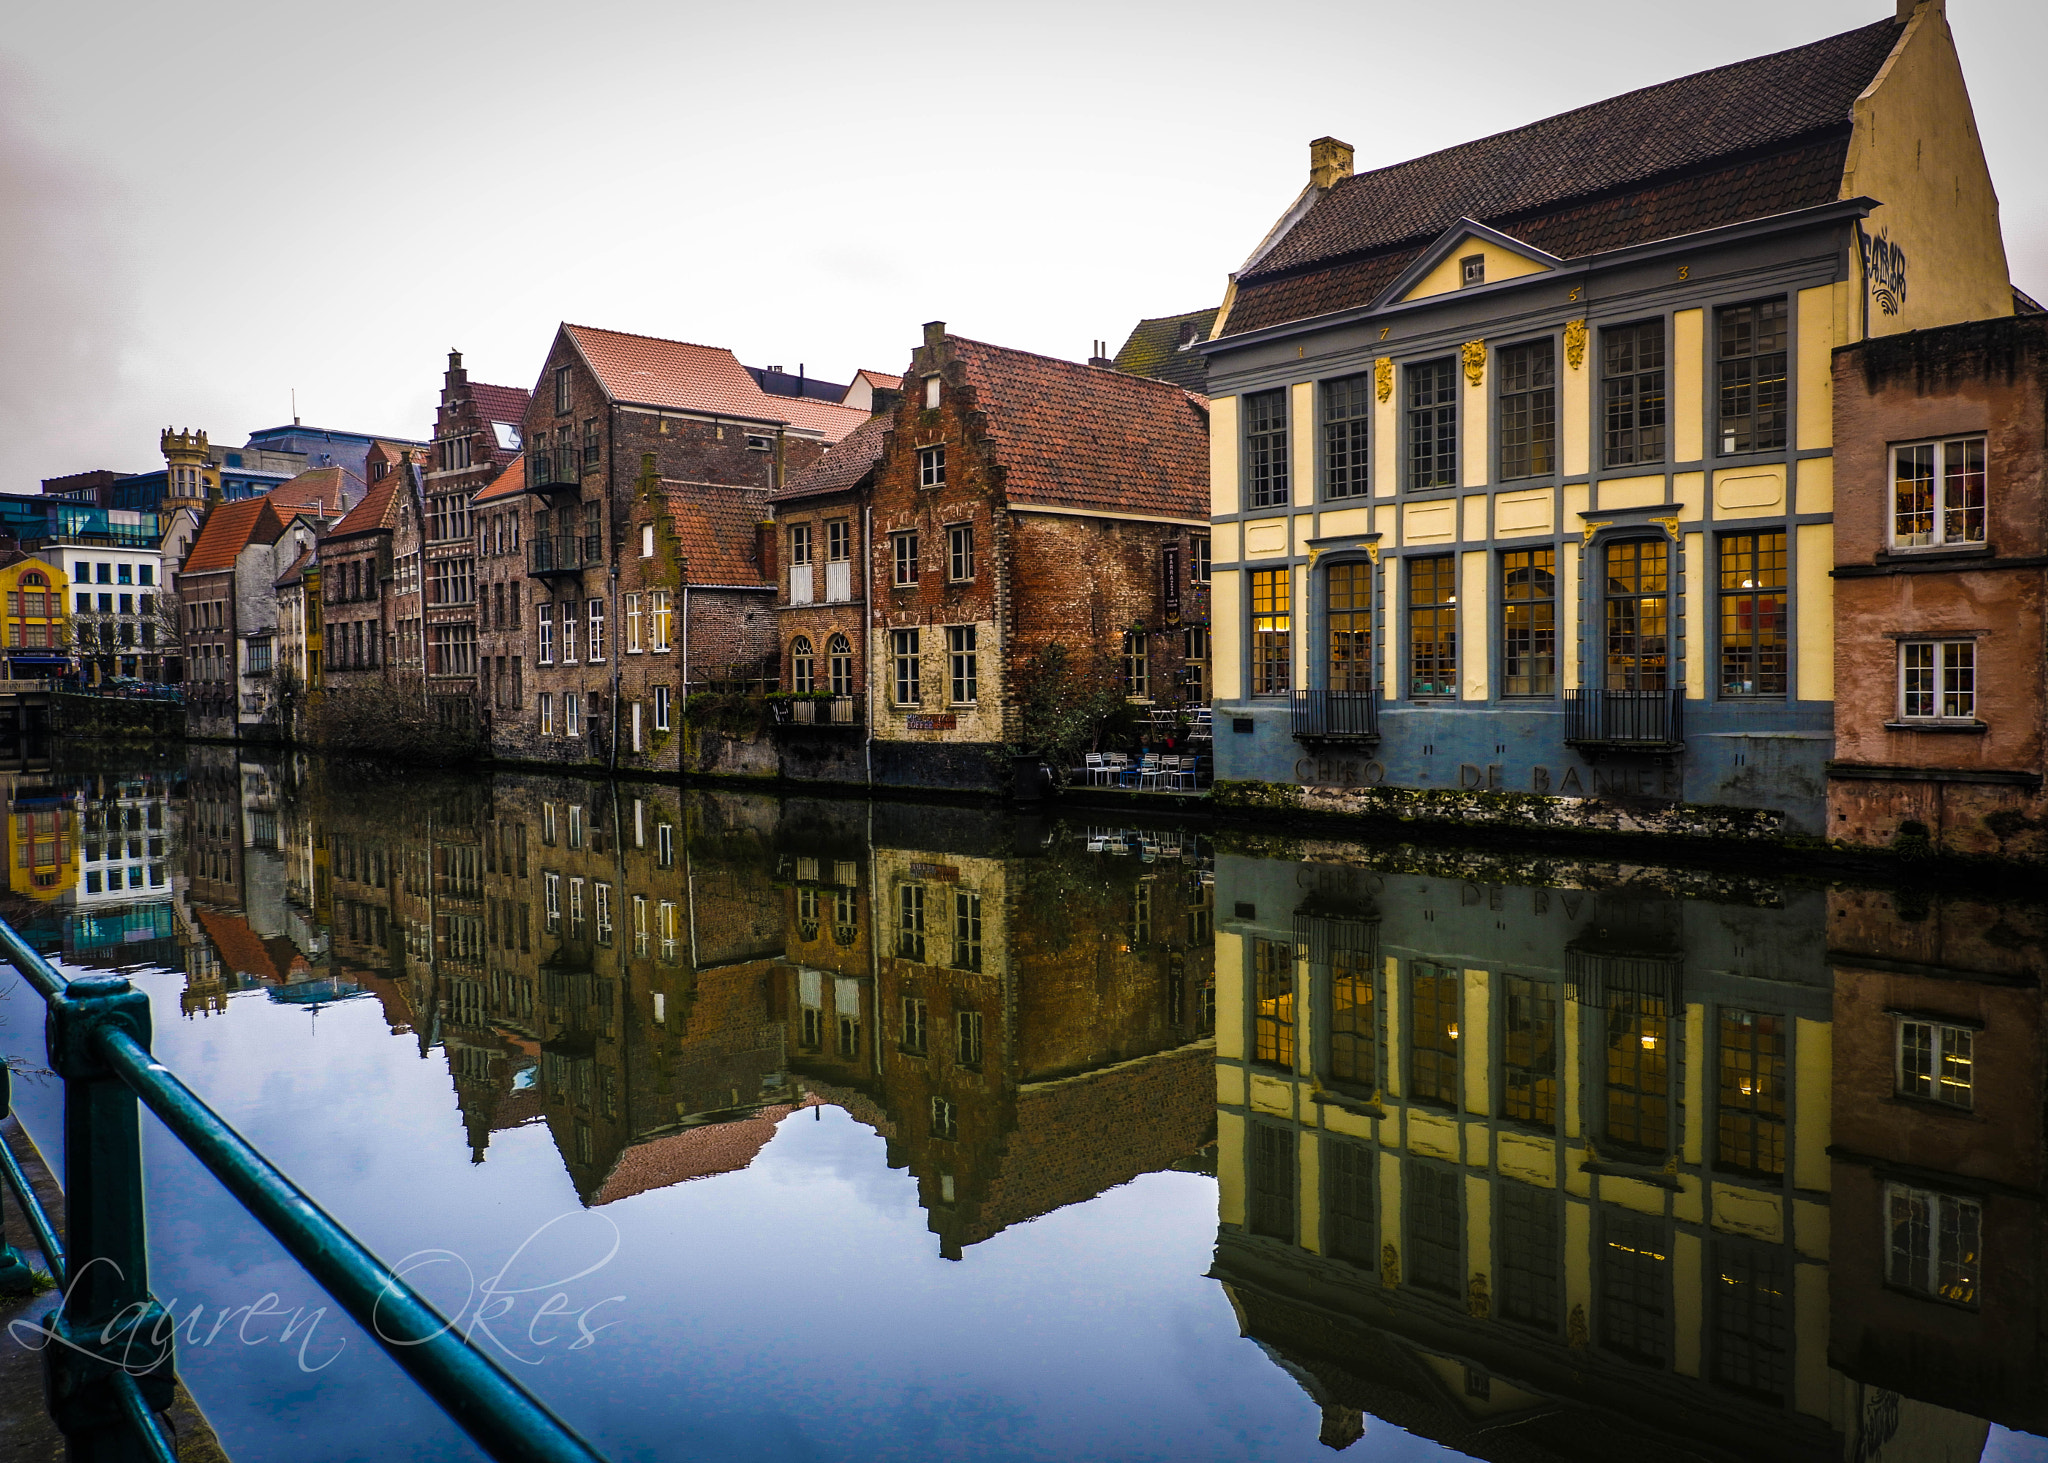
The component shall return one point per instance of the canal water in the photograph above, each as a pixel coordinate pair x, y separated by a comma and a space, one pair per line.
753, 1128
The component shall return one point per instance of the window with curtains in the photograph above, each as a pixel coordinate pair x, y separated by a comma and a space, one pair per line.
1432, 424
1272, 632
1637, 620
1347, 590
1273, 1003
1939, 494
1528, 409
1755, 654
1528, 622
1432, 626
1347, 419
1632, 401
1750, 350
1265, 449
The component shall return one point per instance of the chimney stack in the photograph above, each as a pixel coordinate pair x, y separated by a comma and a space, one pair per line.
764, 547
1101, 356
934, 332
1329, 160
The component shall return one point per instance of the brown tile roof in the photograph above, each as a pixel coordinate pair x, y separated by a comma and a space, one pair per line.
706, 378
716, 532
240, 949
1159, 349
229, 528
881, 380
378, 512
1751, 139
844, 465
1073, 436
694, 1153
508, 484
499, 403
327, 491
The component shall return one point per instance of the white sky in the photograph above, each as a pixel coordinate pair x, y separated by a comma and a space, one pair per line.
206, 205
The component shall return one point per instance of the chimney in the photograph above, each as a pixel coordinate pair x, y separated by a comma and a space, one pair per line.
934, 332
1329, 160
1101, 356
764, 548
887, 399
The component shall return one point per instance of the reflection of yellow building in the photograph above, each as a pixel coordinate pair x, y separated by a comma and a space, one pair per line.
42, 837
35, 619
1548, 1160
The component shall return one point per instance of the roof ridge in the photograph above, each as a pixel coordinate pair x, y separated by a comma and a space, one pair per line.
637, 335
1344, 184
1063, 361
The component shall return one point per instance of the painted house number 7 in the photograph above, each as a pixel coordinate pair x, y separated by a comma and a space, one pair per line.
1383, 331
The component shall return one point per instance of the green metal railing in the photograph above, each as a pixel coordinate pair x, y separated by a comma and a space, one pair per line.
109, 1364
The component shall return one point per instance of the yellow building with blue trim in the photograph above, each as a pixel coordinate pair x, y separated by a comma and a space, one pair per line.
36, 623
1522, 474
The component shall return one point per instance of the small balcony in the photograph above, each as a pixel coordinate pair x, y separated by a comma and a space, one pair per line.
1337, 716
566, 553
1638, 721
841, 712
555, 471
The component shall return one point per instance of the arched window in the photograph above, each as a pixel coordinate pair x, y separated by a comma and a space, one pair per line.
802, 668
33, 580
839, 656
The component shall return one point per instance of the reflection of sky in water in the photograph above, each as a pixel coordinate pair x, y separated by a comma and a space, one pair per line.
797, 1309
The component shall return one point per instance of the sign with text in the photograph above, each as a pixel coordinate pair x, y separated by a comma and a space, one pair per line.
947, 722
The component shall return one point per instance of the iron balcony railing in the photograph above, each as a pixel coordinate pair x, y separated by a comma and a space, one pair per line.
838, 711
1337, 715
562, 469
110, 1366
1644, 719
565, 553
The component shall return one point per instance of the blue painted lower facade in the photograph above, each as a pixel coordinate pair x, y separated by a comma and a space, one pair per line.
1731, 756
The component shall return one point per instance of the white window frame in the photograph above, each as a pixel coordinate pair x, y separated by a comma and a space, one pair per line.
547, 714
657, 621
959, 552
1946, 658
661, 704
1948, 1045
551, 884
595, 619
963, 665
906, 651
1943, 453
1939, 1208
903, 555
544, 632
572, 714
931, 466
633, 624
646, 540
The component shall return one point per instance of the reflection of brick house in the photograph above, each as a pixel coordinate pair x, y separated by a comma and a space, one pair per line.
620, 426
1939, 542
1021, 502
1938, 1217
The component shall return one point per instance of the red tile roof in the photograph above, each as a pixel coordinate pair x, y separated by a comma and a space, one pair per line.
648, 371
499, 403
881, 380
378, 512
229, 528
326, 491
694, 1153
716, 530
240, 949
1699, 151
844, 465
508, 484
296, 571
1073, 436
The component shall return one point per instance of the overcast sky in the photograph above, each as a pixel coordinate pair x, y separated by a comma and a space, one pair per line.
205, 206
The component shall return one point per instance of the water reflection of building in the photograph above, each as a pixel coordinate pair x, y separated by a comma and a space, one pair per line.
1542, 1172
1938, 1144
1027, 1026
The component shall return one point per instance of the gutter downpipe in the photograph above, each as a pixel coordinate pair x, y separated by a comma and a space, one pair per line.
867, 602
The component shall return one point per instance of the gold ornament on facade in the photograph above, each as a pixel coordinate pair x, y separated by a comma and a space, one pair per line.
1474, 352
1390, 1266
1576, 1333
1478, 1301
1669, 525
1590, 529
1575, 343
1383, 377
1372, 552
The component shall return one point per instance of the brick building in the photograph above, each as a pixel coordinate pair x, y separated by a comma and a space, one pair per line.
822, 604
227, 594
642, 457
356, 571
1021, 502
497, 513
1939, 583
476, 436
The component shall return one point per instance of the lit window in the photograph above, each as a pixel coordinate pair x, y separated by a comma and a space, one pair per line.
1936, 1061
1935, 1243
1272, 632
1938, 494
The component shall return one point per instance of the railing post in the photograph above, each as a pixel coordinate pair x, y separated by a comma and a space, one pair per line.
107, 1322
15, 1276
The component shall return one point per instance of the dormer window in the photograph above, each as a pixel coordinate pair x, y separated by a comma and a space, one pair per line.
1472, 269
931, 392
